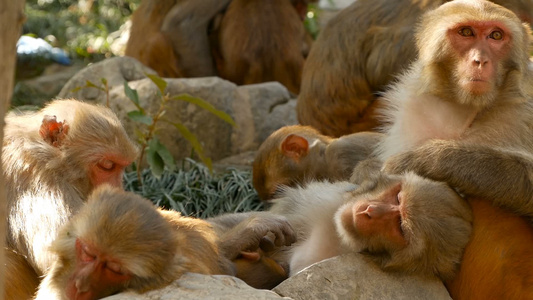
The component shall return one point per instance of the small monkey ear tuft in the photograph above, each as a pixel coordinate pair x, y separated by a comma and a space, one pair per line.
295, 146
53, 132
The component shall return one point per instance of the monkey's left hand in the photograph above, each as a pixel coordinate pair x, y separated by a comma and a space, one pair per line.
263, 230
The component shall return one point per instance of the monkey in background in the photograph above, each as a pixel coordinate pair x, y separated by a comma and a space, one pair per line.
463, 114
119, 241
294, 155
246, 42
405, 224
52, 159
357, 55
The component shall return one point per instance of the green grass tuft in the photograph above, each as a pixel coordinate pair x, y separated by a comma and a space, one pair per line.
193, 191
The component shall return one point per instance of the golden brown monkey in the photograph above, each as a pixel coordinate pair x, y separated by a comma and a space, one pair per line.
358, 53
119, 241
294, 155
52, 159
463, 114
405, 224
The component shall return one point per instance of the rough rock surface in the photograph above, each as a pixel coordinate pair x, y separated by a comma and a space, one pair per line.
352, 277
258, 109
196, 286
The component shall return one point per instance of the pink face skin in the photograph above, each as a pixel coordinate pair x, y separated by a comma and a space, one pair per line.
380, 216
108, 170
95, 275
479, 46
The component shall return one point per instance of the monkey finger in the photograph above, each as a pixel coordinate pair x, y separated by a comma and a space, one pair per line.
267, 242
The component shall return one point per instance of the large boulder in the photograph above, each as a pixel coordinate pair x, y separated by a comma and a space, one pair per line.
352, 277
257, 109
193, 286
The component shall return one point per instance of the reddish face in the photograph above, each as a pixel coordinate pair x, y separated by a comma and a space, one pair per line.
377, 218
95, 275
480, 47
108, 170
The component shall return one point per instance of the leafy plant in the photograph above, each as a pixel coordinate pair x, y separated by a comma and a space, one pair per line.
157, 155
195, 191
104, 88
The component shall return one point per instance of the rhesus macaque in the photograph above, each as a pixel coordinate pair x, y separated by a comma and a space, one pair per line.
119, 241
294, 155
463, 114
52, 160
405, 223
261, 41
358, 53
242, 41
171, 36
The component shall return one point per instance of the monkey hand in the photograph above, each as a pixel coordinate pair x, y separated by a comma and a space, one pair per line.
262, 230
426, 161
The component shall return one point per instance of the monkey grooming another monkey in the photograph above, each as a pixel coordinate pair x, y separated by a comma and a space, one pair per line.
463, 114
52, 159
402, 223
119, 241
297, 154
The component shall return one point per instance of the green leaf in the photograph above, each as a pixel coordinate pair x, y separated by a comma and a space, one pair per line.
140, 117
205, 105
155, 145
155, 162
90, 84
104, 81
74, 90
159, 82
140, 135
191, 138
167, 157
132, 95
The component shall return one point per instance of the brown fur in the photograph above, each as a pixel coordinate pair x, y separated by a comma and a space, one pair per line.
50, 170
295, 155
498, 260
25, 283
262, 41
359, 52
251, 42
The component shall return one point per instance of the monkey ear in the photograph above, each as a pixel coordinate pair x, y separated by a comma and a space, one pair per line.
294, 146
52, 131
250, 255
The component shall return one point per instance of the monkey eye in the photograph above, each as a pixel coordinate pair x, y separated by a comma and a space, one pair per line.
86, 255
466, 31
114, 267
106, 164
496, 35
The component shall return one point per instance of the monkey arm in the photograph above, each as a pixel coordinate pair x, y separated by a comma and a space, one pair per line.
186, 26
249, 231
504, 177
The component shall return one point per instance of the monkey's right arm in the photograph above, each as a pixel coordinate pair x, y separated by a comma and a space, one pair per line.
504, 177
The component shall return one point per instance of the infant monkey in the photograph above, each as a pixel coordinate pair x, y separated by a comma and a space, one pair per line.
403, 223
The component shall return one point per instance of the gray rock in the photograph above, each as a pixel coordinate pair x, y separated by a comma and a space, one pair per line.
352, 277
258, 109
115, 70
196, 286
